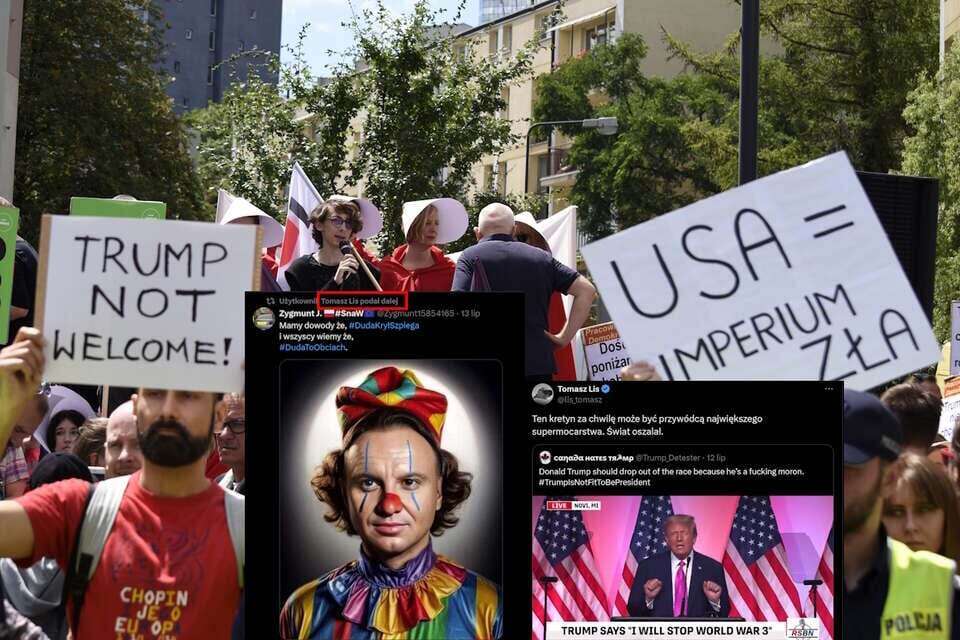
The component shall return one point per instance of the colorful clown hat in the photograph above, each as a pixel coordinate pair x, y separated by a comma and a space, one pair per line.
392, 388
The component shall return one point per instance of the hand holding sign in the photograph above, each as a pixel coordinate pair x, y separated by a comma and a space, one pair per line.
787, 277
21, 370
149, 303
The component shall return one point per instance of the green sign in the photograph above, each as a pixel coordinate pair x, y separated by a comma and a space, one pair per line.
9, 218
109, 208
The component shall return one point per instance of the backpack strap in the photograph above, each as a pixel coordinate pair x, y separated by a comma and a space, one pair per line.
234, 506
100, 512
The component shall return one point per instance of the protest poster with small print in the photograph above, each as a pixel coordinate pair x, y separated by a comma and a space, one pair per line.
950, 410
789, 277
604, 351
145, 303
111, 208
9, 220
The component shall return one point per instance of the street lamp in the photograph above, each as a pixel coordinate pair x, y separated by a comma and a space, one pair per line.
604, 126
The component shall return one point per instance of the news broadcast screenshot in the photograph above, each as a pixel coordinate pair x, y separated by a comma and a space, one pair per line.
552, 319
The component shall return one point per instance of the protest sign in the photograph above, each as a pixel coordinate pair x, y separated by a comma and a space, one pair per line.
604, 351
787, 277
951, 408
9, 219
110, 208
145, 303
955, 337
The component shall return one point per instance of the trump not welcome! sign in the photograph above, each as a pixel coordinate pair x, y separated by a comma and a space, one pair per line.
789, 277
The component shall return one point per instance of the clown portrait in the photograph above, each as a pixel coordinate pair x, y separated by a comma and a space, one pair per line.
394, 490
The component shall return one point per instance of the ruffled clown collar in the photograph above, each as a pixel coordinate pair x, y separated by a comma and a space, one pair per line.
375, 596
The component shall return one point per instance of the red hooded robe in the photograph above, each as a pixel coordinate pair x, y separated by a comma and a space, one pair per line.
396, 277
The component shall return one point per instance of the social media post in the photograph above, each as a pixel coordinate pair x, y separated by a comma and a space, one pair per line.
692, 510
388, 467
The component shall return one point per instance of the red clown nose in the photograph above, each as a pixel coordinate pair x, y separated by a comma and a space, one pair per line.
390, 504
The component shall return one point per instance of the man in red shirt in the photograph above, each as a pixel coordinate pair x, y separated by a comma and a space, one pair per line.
167, 570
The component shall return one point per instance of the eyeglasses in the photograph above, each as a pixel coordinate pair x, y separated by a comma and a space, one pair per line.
237, 427
340, 223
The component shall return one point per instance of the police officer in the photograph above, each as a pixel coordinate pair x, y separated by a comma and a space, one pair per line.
889, 591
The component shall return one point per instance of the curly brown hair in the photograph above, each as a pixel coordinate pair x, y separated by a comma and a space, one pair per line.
330, 206
328, 479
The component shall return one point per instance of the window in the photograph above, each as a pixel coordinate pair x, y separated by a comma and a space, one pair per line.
505, 96
502, 178
253, 14
189, 34
506, 39
213, 7
213, 40
488, 177
210, 75
597, 36
176, 66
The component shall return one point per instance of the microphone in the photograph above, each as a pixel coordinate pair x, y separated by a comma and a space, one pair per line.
813, 583
546, 579
345, 247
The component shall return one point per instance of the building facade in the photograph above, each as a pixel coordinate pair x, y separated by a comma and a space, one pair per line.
949, 24
491, 10
200, 34
11, 20
584, 24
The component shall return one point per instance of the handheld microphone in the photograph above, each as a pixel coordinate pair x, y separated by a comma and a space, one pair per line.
345, 247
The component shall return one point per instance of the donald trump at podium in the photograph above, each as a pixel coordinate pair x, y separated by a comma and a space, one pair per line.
679, 582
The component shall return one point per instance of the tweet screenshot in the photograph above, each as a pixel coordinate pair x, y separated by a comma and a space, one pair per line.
684, 510
378, 510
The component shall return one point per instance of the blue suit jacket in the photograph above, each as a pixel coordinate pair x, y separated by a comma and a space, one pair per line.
658, 566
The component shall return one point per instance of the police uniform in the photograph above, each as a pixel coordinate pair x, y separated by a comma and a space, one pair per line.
906, 595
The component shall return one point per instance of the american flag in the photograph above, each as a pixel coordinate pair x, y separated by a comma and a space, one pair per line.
561, 548
755, 564
647, 540
824, 593
297, 236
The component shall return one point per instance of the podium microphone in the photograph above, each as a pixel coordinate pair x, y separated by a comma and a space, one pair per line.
546, 580
814, 584
347, 248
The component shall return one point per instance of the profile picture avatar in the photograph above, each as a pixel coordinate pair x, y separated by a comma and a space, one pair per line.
542, 393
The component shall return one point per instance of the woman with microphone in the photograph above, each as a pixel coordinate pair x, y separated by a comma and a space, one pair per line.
335, 265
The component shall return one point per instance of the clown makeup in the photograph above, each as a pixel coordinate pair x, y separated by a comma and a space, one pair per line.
392, 481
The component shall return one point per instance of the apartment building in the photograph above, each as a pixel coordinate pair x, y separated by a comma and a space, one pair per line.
203, 33
585, 24
949, 23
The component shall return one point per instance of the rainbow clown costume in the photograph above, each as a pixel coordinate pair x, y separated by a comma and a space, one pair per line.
394, 487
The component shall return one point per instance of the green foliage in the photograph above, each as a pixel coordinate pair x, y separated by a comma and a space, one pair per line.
840, 82
247, 142
649, 167
429, 113
933, 111
93, 116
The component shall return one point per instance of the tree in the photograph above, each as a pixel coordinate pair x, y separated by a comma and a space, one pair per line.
841, 81
649, 167
933, 111
93, 116
429, 113
248, 141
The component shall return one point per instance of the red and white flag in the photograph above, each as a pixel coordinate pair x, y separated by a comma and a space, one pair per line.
561, 551
297, 236
755, 565
823, 596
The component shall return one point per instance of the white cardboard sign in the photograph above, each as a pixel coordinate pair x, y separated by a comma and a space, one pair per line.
147, 303
604, 351
955, 337
789, 277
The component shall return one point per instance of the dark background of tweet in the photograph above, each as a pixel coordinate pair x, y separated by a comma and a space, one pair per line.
450, 328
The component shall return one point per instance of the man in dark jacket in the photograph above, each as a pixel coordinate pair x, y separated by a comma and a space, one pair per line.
508, 265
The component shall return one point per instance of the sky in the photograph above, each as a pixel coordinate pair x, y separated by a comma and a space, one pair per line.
326, 16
